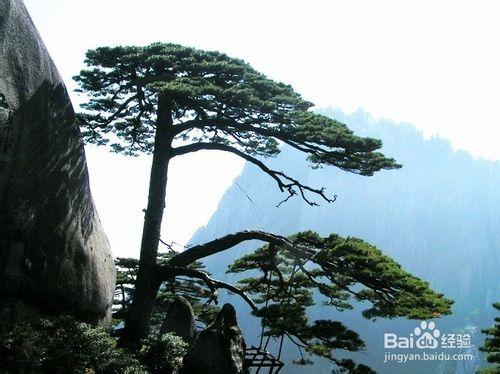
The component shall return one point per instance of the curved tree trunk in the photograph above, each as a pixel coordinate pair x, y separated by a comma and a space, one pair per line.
147, 284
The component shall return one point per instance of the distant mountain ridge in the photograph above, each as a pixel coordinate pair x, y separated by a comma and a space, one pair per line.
439, 216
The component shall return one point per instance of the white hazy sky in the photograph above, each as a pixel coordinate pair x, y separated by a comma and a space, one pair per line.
435, 64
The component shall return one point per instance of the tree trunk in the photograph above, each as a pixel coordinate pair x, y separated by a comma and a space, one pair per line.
124, 299
147, 284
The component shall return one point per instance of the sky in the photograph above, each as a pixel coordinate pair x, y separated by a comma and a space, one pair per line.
433, 64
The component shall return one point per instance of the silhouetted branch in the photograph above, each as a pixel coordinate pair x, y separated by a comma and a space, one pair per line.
300, 251
165, 272
285, 182
226, 242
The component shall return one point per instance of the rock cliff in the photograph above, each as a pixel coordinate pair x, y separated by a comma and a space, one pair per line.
54, 255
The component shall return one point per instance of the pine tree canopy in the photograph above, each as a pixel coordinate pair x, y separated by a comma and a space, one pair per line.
170, 100
338, 271
215, 102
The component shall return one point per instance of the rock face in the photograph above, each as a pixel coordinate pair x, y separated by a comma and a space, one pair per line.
54, 255
219, 348
180, 320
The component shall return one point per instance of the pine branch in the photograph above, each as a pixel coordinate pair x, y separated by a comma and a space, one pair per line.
226, 242
165, 272
284, 182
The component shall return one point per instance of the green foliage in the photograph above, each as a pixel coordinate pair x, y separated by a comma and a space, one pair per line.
212, 98
163, 354
126, 275
492, 345
171, 100
335, 271
63, 345
193, 290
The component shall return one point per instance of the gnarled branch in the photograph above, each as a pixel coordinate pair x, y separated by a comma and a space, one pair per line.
285, 182
226, 242
300, 251
165, 272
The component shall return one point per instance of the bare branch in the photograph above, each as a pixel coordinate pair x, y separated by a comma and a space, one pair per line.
299, 345
165, 272
285, 183
226, 242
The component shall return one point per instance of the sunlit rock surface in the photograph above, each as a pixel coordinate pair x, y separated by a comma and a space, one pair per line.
220, 348
54, 255
180, 320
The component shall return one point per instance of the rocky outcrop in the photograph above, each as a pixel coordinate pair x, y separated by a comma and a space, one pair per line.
180, 320
219, 348
54, 255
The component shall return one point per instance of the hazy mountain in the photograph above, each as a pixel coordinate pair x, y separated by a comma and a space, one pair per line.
439, 217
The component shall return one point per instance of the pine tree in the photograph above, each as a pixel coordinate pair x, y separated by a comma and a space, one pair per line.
194, 290
168, 100
492, 345
339, 271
